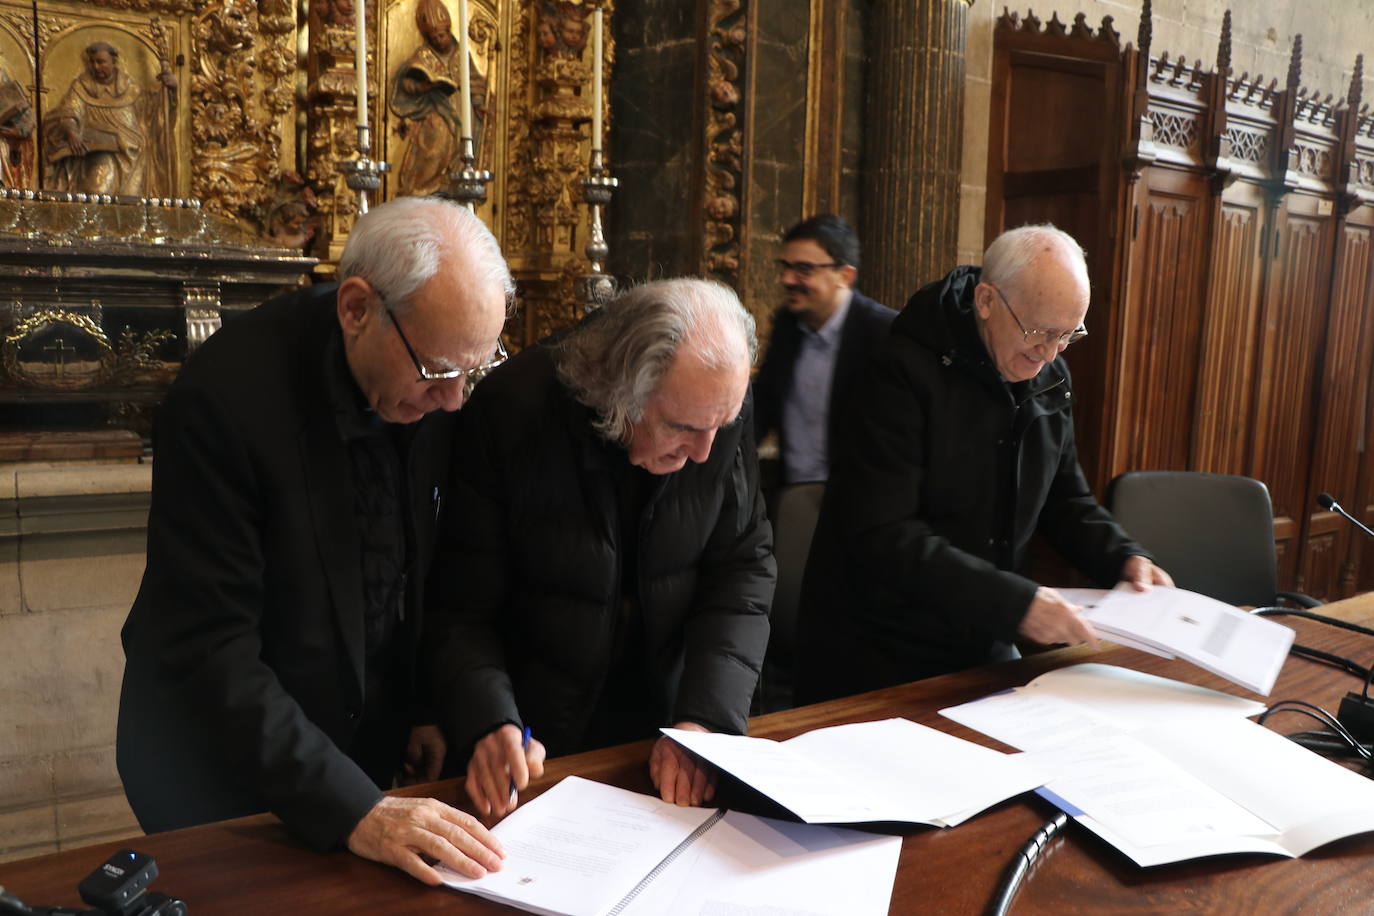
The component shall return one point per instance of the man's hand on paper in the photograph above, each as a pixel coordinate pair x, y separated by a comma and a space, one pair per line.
400, 831
424, 755
680, 776
498, 762
1142, 574
1051, 620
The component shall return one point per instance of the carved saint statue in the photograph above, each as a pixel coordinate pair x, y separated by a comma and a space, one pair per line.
16, 125
424, 93
106, 135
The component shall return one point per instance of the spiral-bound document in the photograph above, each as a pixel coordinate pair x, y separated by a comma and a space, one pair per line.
587, 849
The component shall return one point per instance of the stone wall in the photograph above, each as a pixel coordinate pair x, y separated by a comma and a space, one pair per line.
1333, 31
71, 557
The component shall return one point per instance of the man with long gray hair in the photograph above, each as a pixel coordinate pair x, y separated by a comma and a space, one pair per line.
605, 565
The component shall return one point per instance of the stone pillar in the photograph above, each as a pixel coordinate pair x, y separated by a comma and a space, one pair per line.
914, 128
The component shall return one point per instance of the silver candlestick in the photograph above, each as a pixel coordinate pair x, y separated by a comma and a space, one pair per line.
467, 185
364, 174
597, 287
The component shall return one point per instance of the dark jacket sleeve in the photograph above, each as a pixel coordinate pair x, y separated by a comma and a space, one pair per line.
468, 588
771, 381
874, 497
727, 630
201, 618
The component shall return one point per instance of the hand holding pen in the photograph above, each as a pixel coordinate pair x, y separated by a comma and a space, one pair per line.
502, 764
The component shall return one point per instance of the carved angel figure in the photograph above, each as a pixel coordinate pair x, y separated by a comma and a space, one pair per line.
105, 136
423, 93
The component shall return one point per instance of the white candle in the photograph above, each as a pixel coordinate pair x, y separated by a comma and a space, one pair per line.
465, 107
596, 79
360, 18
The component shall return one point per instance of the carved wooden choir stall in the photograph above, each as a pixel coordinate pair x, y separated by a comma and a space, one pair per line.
1229, 222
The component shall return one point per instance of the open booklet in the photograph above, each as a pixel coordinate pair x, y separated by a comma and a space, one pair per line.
1167, 771
1231, 643
866, 772
587, 849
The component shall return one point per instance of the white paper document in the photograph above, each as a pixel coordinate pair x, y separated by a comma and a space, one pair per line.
1171, 794
889, 770
757, 866
1217, 637
1167, 771
1088, 701
587, 849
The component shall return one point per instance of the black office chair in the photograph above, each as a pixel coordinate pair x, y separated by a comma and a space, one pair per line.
1214, 533
799, 505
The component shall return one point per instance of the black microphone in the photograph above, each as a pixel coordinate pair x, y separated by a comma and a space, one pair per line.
1326, 501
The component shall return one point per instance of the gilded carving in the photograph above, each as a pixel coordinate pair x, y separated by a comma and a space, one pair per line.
424, 97
542, 192
110, 135
16, 127
292, 219
241, 93
724, 140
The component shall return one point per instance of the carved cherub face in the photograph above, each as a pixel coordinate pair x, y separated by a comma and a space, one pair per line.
101, 65
573, 31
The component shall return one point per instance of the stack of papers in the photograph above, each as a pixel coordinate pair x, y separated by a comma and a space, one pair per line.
891, 770
1166, 771
1217, 637
587, 849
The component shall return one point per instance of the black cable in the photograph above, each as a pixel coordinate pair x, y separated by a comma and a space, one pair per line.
1321, 715
1021, 863
1339, 661
1325, 742
1308, 615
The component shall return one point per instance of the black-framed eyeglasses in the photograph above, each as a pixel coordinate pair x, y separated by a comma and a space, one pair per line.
472, 375
804, 269
1038, 337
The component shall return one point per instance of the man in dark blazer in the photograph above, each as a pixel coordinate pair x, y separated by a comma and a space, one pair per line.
300, 461
821, 339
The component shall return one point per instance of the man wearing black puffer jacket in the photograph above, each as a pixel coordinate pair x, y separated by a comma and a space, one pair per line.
962, 449
606, 564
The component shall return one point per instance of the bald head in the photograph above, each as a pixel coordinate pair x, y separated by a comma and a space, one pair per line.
1034, 292
422, 298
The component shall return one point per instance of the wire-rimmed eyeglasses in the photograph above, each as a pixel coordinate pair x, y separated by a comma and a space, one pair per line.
471, 376
1039, 337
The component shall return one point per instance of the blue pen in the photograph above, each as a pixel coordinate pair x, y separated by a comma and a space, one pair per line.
524, 745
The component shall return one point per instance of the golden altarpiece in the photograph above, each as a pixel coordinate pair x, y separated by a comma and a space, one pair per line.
167, 163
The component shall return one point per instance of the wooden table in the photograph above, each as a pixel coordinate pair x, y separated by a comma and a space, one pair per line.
252, 865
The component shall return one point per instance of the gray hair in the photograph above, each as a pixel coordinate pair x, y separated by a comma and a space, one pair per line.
614, 361
398, 246
1012, 252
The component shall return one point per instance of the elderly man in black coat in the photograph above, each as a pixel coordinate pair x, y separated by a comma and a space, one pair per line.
606, 565
301, 456
962, 449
